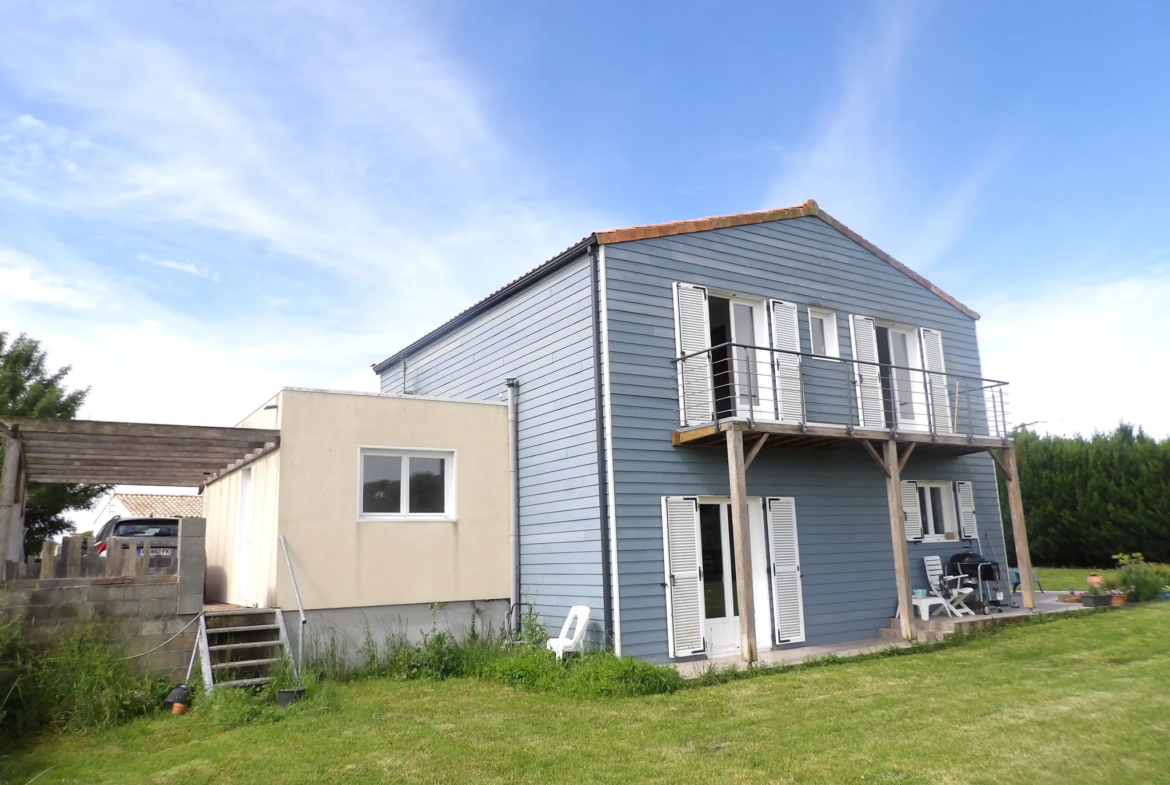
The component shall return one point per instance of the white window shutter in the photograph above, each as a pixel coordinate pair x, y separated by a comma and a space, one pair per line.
684, 581
784, 550
912, 510
936, 368
869, 382
968, 528
786, 336
692, 332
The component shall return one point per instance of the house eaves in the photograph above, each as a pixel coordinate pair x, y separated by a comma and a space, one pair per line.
651, 231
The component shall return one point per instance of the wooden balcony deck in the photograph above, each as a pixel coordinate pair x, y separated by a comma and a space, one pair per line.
821, 437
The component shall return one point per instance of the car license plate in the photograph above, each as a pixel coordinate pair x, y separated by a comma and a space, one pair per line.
162, 551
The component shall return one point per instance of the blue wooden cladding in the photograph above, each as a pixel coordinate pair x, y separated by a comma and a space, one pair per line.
545, 335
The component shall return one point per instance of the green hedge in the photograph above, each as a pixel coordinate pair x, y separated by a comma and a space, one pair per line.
1086, 499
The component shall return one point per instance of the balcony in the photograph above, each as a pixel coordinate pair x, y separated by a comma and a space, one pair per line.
809, 401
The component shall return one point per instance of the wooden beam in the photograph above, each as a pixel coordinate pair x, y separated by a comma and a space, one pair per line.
898, 534
997, 456
906, 455
37, 441
755, 451
877, 458
12, 479
33, 425
1019, 527
741, 535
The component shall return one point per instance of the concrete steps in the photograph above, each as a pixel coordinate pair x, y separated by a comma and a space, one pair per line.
940, 628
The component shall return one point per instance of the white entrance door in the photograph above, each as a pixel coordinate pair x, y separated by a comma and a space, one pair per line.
720, 600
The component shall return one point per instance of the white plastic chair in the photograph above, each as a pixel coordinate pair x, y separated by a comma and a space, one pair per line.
950, 589
575, 642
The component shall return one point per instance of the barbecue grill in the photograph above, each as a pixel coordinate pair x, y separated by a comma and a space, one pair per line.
984, 576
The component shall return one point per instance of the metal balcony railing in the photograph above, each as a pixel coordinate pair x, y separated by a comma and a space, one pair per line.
758, 383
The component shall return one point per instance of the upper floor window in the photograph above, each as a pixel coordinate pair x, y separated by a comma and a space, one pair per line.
822, 328
406, 485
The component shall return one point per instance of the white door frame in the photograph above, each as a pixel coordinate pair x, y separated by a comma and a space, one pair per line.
916, 383
762, 591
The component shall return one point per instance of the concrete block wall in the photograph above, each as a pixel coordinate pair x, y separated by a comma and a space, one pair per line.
137, 614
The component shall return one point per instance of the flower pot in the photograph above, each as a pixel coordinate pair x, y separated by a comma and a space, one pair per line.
1120, 599
1095, 580
1096, 600
287, 698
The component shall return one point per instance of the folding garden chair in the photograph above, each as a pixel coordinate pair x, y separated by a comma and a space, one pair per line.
951, 589
575, 641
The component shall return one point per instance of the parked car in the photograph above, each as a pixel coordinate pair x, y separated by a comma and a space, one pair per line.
163, 534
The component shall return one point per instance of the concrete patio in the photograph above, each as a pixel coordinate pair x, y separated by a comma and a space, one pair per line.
938, 628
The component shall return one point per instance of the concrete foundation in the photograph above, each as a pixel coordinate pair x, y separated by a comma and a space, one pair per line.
344, 630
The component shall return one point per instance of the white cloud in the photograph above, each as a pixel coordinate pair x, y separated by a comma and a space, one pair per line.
1082, 357
855, 164
23, 278
346, 150
185, 267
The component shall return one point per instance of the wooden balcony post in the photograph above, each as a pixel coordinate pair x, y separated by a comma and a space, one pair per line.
1019, 529
741, 536
898, 534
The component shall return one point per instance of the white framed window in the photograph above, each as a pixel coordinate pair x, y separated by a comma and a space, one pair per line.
936, 505
822, 329
406, 484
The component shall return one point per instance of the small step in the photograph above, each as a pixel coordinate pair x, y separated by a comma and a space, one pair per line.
240, 612
250, 628
252, 645
219, 666
244, 682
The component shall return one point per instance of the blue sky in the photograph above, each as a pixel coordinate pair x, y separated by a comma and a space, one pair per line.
202, 202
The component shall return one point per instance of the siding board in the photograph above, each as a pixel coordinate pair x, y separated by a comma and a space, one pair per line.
544, 337
842, 518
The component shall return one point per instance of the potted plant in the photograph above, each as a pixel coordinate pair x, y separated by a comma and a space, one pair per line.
1096, 597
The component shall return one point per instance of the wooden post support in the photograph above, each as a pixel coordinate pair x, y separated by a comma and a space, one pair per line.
741, 536
48, 556
11, 502
1019, 529
898, 533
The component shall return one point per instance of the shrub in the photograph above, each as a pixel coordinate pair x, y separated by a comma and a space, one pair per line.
1144, 580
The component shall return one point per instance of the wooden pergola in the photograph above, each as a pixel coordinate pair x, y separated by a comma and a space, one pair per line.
112, 453
890, 452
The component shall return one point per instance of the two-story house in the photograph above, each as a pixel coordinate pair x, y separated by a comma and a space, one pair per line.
734, 433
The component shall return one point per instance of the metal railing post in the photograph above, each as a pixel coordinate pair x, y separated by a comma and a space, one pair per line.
300, 607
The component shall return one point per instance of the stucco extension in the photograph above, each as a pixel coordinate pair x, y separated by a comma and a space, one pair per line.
341, 562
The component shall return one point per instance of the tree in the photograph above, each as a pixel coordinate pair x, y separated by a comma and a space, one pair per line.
29, 389
1087, 499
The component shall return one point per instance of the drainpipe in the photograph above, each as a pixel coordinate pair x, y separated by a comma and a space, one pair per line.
514, 480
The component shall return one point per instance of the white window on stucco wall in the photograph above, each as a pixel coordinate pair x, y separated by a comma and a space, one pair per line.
396, 484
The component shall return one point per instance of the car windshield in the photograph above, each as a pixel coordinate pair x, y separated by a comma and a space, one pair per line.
146, 529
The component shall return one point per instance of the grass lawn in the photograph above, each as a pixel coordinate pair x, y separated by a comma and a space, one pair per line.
1080, 699
1061, 579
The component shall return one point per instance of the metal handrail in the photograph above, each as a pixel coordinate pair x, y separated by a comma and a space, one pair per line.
726, 375
300, 607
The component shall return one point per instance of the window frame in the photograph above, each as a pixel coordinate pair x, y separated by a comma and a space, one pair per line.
450, 496
950, 512
832, 336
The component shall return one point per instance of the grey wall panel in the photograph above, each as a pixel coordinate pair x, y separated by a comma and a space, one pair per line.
544, 337
843, 523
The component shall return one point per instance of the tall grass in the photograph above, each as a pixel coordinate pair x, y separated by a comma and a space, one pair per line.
520, 661
78, 683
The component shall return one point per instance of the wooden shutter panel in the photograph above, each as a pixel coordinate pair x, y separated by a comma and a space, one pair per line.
784, 550
869, 383
968, 529
786, 336
912, 510
936, 379
692, 325
684, 581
